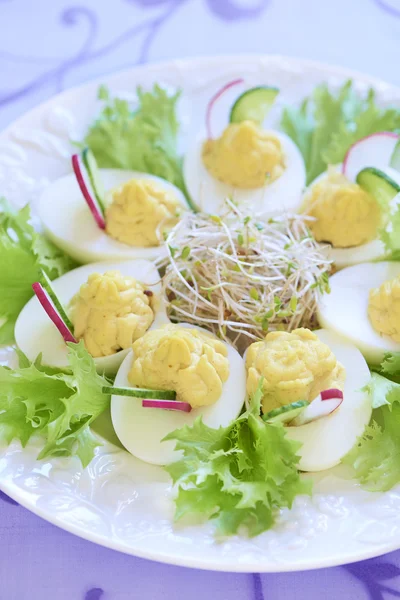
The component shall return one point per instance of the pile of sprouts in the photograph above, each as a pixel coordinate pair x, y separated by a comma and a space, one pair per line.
240, 276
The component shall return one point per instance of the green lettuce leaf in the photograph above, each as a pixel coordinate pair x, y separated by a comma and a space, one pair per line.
390, 235
390, 366
57, 405
239, 475
23, 253
376, 456
141, 138
326, 124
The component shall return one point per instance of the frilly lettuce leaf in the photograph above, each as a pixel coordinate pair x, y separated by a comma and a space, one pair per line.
390, 234
326, 124
376, 456
141, 138
390, 366
239, 475
58, 406
23, 253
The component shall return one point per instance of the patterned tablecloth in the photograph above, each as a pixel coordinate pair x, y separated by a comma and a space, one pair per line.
48, 45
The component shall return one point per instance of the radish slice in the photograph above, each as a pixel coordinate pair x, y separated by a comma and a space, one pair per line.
375, 150
332, 393
213, 101
323, 405
48, 288
52, 313
167, 405
85, 187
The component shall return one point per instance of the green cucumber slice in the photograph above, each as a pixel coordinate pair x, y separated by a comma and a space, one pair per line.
382, 187
253, 105
395, 158
285, 413
139, 393
93, 171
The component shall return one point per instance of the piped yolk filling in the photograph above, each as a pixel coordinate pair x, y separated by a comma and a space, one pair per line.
294, 366
244, 156
384, 309
344, 214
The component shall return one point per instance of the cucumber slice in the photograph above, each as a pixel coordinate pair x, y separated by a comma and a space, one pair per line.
139, 393
253, 105
395, 158
285, 413
382, 187
92, 169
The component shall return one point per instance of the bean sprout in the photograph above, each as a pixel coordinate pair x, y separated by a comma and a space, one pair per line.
240, 276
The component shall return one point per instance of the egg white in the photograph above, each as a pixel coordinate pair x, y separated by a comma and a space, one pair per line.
283, 194
373, 250
141, 430
68, 222
345, 309
35, 333
327, 440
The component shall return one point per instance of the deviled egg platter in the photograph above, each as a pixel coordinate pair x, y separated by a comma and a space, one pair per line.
350, 203
255, 354
109, 214
236, 157
108, 305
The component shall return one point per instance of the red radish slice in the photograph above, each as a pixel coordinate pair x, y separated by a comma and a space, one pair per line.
375, 150
84, 186
325, 404
332, 393
213, 101
167, 405
52, 313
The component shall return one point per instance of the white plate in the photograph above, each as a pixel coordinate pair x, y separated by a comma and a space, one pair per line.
119, 501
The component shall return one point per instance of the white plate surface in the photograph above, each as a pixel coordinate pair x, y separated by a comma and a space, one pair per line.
119, 501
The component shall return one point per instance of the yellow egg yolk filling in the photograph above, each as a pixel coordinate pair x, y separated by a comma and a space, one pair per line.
294, 366
345, 215
110, 312
140, 211
244, 156
384, 309
191, 362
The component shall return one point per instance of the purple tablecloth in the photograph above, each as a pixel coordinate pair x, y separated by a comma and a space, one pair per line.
48, 45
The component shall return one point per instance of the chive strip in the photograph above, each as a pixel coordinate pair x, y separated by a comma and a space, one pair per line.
93, 172
46, 283
140, 393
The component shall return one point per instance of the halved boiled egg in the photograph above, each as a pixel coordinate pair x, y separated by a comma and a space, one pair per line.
327, 440
35, 333
141, 430
347, 309
69, 223
278, 192
351, 201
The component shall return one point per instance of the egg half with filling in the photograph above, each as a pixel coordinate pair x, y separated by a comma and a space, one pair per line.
364, 307
109, 304
299, 366
203, 371
350, 203
138, 209
257, 168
